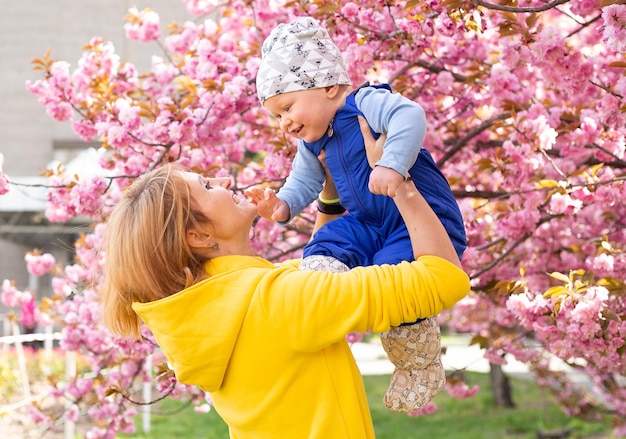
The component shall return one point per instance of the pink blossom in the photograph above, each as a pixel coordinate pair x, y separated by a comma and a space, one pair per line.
614, 17
86, 197
128, 368
80, 387
4, 183
164, 385
585, 7
200, 7
603, 264
39, 264
429, 408
59, 111
350, 10
128, 427
128, 115
60, 77
4, 179
354, 337
181, 42
71, 318
62, 286
28, 310
445, 25
142, 26
84, 129
459, 389
37, 416
564, 204
72, 413
117, 135
10, 295
164, 72
96, 433
203, 408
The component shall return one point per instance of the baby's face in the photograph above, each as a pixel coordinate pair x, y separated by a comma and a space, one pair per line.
304, 114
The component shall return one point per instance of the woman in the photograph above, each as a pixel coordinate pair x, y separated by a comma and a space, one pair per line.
267, 341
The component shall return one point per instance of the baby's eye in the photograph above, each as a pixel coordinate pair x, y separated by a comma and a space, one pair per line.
207, 185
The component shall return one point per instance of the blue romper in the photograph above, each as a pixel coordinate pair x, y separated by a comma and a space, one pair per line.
373, 231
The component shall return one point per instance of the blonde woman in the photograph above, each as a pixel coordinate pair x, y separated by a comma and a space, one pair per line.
266, 340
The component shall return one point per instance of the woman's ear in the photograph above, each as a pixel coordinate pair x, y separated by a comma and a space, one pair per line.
196, 239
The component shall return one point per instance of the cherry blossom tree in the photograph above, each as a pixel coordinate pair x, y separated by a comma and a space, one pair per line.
525, 104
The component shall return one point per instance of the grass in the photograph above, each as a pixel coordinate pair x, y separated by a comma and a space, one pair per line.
473, 418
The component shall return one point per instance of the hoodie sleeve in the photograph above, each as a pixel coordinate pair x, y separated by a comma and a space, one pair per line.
320, 308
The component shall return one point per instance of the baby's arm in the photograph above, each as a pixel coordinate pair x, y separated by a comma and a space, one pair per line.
405, 124
301, 188
268, 204
304, 182
383, 180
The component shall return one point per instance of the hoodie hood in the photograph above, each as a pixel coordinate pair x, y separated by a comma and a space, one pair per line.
198, 327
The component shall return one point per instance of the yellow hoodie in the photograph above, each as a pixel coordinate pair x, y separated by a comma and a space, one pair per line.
268, 342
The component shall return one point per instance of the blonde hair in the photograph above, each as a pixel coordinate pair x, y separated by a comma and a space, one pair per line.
146, 252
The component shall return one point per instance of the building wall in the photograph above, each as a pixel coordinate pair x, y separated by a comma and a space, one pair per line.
28, 29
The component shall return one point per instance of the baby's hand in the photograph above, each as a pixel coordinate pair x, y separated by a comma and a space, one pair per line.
384, 181
268, 204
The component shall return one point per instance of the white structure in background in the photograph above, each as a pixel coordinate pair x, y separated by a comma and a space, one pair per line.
30, 138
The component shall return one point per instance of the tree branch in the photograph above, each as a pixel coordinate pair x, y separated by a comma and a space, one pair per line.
513, 246
526, 9
461, 141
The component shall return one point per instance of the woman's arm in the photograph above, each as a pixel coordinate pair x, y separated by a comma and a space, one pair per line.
329, 192
428, 236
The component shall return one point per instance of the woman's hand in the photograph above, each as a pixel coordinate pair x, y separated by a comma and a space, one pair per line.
373, 147
329, 191
383, 180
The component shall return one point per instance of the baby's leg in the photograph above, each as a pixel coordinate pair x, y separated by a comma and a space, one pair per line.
346, 239
419, 375
323, 263
415, 349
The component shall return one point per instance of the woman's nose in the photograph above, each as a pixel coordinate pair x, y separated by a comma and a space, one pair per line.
226, 182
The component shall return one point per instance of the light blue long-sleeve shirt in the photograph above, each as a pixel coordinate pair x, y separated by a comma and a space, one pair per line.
403, 120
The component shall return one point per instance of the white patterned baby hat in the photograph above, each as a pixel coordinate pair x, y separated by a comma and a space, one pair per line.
299, 56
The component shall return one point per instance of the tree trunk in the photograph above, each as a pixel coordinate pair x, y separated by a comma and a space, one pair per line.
501, 386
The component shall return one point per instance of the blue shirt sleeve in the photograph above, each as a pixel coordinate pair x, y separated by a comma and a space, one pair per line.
304, 182
403, 120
